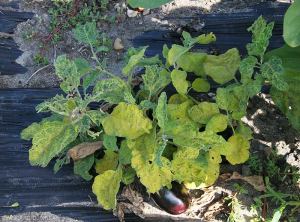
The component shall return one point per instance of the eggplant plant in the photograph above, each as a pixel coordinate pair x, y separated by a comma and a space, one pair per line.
147, 135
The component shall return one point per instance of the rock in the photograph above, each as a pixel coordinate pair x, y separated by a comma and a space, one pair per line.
117, 7
118, 44
131, 13
146, 12
205, 11
246, 171
262, 112
267, 151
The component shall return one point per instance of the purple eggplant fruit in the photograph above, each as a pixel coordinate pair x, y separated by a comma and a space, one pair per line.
174, 201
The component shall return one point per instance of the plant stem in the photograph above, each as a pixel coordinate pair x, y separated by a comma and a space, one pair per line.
194, 100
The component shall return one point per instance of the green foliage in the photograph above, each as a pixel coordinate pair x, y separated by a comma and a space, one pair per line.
40, 60
291, 25
146, 3
145, 135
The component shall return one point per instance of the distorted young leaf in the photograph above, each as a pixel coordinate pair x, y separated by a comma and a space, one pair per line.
161, 111
274, 72
125, 153
110, 142
147, 4
179, 81
218, 123
247, 68
106, 187
84, 149
203, 112
288, 55
51, 139
83, 66
158, 151
201, 85
254, 86
192, 62
128, 175
291, 25
112, 91
86, 33
90, 79
60, 162
155, 79
222, 68
289, 101
108, 162
205, 39
179, 112
175, 52
82, 167
146, 104
178, 99
133, 61
261, 32
126, 120
96, 116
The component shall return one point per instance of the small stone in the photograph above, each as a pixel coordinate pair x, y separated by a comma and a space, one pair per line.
205, 11
118, 44
246, 171
117, 7
140, 23
267, 151
146, 12
210, 94
262, 112
131, 13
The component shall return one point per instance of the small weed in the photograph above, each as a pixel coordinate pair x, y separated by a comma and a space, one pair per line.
40, 60
29, 33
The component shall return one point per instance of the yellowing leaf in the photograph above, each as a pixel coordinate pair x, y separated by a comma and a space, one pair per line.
201, 85
179, 112
106, 187
179, 81
217, 123
203, 112
213, 169
108, 162
177, 99
51, 139
192, 62
222, 68
175, 52
133, 61
126, 120
205, 39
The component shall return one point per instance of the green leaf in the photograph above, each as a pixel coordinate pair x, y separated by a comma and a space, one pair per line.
90, 79
217, 123
86, 33
126, 120
179, 81
205, 39
102, 49
128, 175
274, 72
155, 79
133, 61
125, 153
278, 213
291, 25
146, 104
175, 52
108, 162
96, 116
192, 62
260, 37
106, 187
82, 167
289, 101
148, 61
288, 55
222, 68
203, 112
112, 91
244, 130
60, 162
161, 111
110, 142
158, 151
51, 139
83, 66
147, 4
254, 86
16, 204
201, 85
178, 99
247, 68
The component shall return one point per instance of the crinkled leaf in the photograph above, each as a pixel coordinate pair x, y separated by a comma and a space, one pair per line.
155, 79
247, 68
222, 68
125, 153
192, 62
201, 85
126, 120
158, 151
161, 111
288, 55
261, 32
51, 139
108, 162
289, 101
90, 79
274, 72
106, 187
86, 33
254, 86
128, 175
291, 25
96, 116
146, 104
84, 149
82, 167
133, 61
112, 91
178, 99
179, 81
175, 52
203, 112
217, 123
30, 131
60, 162
83, 66
110, 142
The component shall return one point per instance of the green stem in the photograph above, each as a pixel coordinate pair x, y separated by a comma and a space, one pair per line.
230, 123
194, 100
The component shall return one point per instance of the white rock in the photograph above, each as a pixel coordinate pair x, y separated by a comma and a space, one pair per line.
131, 13
118, 44
146, 12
